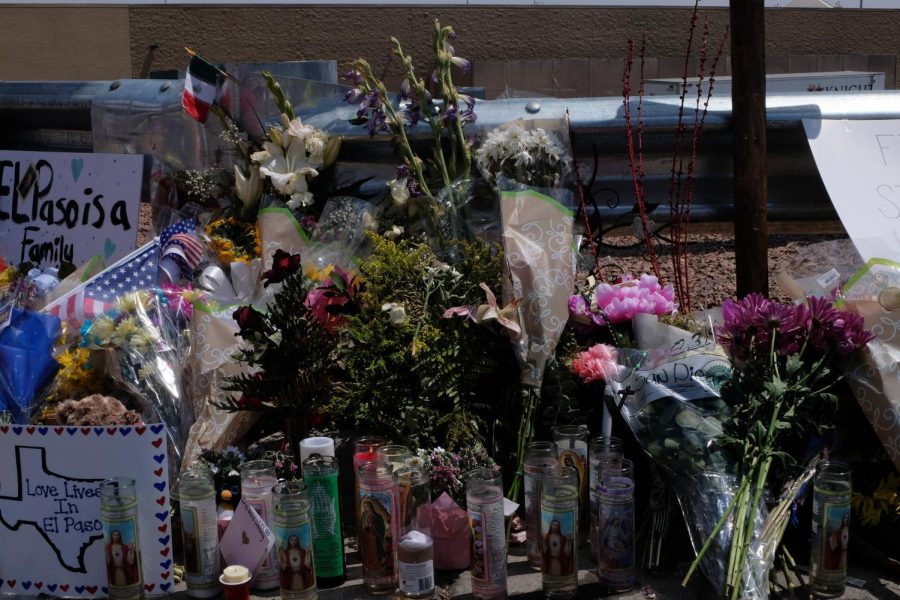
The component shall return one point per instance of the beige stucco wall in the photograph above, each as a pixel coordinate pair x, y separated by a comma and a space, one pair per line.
67, 42
64, 42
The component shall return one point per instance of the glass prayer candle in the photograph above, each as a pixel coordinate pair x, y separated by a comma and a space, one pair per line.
118, 515
572, 451
257, 480
376, 528
538, 456
484, 502
602, 448
559, 532
415, 548
396, 455
293, 541
615, 544
199, 532
321, 476
831, 529
365, 450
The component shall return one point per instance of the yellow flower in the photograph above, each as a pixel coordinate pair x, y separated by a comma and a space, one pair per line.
319, 275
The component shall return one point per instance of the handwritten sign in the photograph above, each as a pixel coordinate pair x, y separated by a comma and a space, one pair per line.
859, 162
60, 207
52, 537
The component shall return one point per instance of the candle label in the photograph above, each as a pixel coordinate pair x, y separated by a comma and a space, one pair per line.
417, 577
266, 574
615, 544
376, 534
559, 541
123, 561
328, 541
295, 557
831, 533
488, 527
200, 536
576, 457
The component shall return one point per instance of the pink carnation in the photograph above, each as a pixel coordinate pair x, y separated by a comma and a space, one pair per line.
597, 363
622, 301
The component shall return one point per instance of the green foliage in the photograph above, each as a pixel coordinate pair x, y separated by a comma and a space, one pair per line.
424, 380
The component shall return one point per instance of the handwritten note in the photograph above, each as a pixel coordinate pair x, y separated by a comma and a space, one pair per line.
248, 539
52, 536
859, 162
60, 207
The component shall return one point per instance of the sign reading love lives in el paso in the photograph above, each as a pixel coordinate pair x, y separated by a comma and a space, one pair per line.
51, 536
58, 207
859, 162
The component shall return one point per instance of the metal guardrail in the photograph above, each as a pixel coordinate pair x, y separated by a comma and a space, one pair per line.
58, 116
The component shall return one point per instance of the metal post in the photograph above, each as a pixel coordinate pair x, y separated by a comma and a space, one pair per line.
748, 100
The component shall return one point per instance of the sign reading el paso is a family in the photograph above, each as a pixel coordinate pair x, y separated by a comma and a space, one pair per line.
61, 207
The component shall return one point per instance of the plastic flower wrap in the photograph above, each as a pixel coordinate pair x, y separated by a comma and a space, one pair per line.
534, 157
144, 345
26, 362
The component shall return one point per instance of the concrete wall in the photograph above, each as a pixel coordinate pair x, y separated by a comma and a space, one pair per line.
563, 51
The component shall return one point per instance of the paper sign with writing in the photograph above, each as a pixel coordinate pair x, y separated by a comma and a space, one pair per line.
52, 539
859, 162
248, 539
60, 207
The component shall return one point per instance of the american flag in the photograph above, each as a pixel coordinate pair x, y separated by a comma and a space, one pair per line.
135, 272
179, 243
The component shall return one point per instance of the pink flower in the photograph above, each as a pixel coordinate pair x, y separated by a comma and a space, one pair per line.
622, 301
597, 363
338, 292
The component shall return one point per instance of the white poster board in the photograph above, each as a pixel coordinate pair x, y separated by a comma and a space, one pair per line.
859, 162
66, 207
51, 540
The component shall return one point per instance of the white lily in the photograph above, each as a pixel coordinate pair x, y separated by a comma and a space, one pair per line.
248, 188
295, 129
399, 192
287, 169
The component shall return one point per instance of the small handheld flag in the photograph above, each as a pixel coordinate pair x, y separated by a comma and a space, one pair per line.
200, 86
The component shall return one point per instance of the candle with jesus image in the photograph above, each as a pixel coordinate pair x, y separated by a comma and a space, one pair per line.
118, 514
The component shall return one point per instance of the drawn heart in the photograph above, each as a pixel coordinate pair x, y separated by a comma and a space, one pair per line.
166, 564
111, 430
157, 442
125, 431
165, 586
164, 551
85, 430
140, 430
158, 472
51, 587
64, 587
92, 589
105, 590
30, 430
161, 500
77, 166
5, 429
149, 586
165, 575
156, 428
162, 516
71, 430
160, 485
79, 589
26, 584
164, 540
17, 430
109, 247
38, 584
162, 528
58, 430
11, 582
244, 539
43, 430
159, 458
98, 430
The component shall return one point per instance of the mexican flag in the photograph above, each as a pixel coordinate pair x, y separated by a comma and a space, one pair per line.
200, 86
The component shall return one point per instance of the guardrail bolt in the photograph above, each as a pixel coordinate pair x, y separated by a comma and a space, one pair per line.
533, 106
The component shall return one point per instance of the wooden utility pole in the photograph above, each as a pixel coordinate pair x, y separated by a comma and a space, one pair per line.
748, 114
